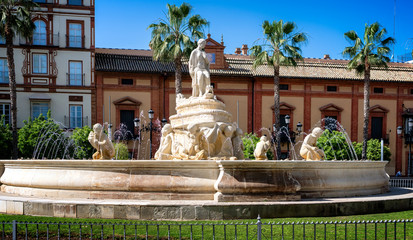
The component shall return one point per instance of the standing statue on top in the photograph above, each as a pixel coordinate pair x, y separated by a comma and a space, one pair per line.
199, 70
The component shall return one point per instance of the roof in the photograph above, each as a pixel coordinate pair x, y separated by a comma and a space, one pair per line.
140, 61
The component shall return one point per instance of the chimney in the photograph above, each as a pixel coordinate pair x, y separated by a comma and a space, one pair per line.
238, 50
326, 56
245, 49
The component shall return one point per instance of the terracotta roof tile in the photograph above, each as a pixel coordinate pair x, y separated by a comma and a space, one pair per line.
242, 66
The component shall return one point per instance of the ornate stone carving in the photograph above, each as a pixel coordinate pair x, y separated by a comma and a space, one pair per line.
100, 141
309, 149
201, 129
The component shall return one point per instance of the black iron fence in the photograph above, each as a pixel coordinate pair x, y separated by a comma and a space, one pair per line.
383, 229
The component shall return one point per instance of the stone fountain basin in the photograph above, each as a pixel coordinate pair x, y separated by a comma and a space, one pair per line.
221, 180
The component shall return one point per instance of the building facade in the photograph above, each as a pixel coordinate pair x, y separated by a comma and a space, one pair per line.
130, 81
55, 70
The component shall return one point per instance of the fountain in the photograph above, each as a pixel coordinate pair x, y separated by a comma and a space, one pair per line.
200, 158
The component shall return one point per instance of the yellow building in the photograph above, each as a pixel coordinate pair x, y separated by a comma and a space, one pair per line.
130, 82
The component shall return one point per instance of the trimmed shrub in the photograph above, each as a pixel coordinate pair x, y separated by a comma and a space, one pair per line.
83, 149
121, 151
373, 150
334, 145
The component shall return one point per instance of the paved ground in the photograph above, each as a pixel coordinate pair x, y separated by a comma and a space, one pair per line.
397, 199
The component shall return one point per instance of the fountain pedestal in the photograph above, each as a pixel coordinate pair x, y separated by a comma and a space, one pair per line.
225, 180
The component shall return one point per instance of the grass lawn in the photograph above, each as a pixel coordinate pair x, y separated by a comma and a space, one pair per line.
232, 229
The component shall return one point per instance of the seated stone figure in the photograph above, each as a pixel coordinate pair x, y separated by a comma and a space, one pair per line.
165, 148
309, 149
100, 141
260, 152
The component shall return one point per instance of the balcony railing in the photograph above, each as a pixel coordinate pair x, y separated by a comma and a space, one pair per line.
75, 41
84, 121
40, 40
73, 79
43, 1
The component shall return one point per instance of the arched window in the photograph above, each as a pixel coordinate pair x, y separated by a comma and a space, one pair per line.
40, 33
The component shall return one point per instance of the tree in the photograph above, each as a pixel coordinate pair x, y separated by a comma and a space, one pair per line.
174, 37
370, 51
15, 19
5, 139
42, 138
280, 47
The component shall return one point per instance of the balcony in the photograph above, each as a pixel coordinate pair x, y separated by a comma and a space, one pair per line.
68, 121
75, 2
73, 79
75, 41
40, 40
43, 1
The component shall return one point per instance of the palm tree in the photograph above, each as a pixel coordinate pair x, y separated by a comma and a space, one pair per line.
280, 47
174, 37
366, 52
15, 20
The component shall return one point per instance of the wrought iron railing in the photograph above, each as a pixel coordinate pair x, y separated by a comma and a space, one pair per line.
381, 229
75, 79
84, 120
40, 40
75, 41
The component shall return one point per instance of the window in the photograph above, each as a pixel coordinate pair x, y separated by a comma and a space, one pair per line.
39, 108
76, 116
377, 127
5, 110
283, 86
4, 71
75, 2
331, 88
75, 73
75, 35
411, 91
40, 63
126, 118
126, 81
2, 40
378, 90
40, 1
39, 34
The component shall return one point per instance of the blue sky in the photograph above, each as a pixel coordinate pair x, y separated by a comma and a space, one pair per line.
124, 25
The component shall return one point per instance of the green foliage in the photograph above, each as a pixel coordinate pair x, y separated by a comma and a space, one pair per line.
42, 135
373, 150
171, 37
5, 139
334, 145
280, 44
83, 149
250, 140
121, 151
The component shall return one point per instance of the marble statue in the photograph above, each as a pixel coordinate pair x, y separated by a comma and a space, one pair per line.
165, 147
309, 149
260, 152
199, 70
101, 142
201, 128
